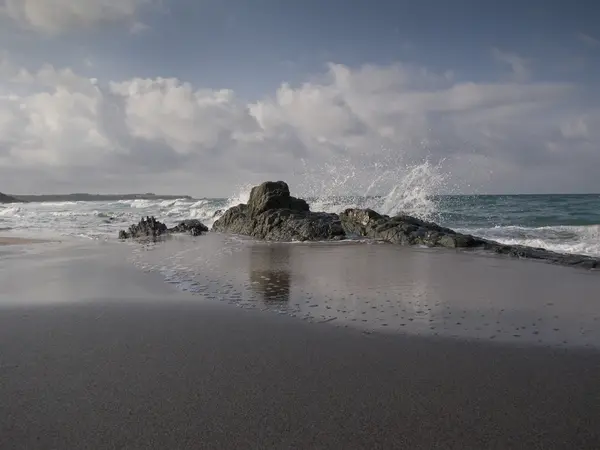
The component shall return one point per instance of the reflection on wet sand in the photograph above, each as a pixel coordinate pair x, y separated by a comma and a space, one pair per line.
269, 273
379, 287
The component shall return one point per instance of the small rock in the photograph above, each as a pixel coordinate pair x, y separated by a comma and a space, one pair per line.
191, 226
152, 228
148, 227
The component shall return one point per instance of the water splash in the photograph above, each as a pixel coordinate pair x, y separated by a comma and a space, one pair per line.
387, 186
241, 195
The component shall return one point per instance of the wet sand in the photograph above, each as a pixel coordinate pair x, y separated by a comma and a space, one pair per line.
18, 241
97, 354
392, 289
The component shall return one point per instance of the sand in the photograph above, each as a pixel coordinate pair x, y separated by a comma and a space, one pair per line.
18, 241
97, 354
389, 288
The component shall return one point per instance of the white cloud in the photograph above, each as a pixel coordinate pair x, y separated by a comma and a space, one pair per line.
187, 120
520, 66
57, 16
57, 126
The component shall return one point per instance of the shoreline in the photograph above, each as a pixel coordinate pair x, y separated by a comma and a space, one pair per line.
96, 352
379, 287
4, 240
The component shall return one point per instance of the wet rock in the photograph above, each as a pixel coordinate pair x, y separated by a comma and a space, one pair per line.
148, 227
274, 195
191, 226
273, 214
403, 229
407, 230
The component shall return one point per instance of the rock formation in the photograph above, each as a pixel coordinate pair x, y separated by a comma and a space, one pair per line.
402, 229
149, 227
273, 214
191, 226
406, 230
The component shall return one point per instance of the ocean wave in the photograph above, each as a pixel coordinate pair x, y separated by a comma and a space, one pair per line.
172, 203
10, 211
583, 240
566, 224
141, 204
57, 204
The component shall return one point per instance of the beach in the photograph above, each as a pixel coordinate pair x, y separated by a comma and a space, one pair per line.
96, 353
18, 241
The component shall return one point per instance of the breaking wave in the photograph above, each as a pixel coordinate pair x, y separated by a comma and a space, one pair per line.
567, 224
583, 240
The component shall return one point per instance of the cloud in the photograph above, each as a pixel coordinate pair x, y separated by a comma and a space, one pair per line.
58, 16
138, 28
520, 66
588, 40
59, 129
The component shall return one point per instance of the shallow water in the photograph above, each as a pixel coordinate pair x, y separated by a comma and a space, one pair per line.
387, 288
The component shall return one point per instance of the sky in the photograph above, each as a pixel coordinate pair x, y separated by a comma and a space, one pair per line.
201, 97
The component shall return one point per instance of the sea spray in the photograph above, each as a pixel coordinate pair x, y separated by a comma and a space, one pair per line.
563, 223
388, 187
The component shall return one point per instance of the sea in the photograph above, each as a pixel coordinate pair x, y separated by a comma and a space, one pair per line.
563, 223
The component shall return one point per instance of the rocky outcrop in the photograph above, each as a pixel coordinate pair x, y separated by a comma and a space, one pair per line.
150, 228
8, 199
192, 226
407, 230
402, 229
273, 214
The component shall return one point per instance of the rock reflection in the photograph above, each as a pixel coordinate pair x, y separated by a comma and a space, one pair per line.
270, 275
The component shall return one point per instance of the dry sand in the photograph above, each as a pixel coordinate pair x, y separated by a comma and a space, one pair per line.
96, 354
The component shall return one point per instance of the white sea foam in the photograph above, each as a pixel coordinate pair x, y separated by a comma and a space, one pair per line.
584, 240
11, 211
389, 188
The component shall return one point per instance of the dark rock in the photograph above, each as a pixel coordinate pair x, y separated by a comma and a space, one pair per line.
403, 229
274, 195
407, 230
146, 228
273, 214
152, 228
192, 226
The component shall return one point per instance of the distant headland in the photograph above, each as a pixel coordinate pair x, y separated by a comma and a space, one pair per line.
8, 199
84, 197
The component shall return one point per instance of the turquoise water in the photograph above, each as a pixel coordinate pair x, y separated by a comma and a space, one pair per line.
563, 223
566, 223
519, 210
